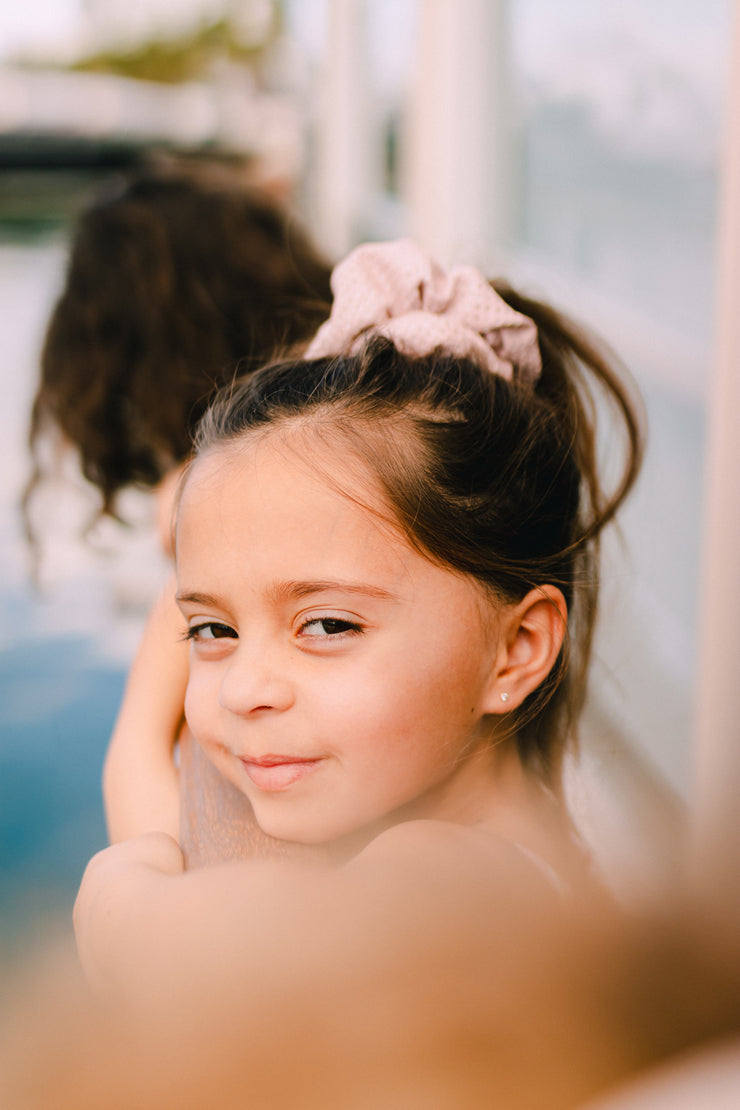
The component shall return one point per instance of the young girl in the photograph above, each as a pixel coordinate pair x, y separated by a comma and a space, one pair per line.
386, 572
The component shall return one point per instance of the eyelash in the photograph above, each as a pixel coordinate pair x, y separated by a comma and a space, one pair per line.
195, 631
349, 628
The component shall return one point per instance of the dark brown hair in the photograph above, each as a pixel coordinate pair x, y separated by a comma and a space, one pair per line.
172, 281
491, 478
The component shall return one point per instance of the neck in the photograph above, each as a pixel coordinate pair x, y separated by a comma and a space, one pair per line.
490, 790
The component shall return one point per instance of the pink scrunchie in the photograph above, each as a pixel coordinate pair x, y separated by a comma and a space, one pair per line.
396, 290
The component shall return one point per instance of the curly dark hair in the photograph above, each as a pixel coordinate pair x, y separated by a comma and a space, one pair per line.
176, 282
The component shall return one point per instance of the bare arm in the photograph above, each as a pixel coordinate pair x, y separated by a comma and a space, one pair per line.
146, 927
140, 780
393, 995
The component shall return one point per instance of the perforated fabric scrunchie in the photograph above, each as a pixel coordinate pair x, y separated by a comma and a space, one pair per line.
396, 290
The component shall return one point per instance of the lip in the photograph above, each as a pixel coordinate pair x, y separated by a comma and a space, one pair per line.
273, 773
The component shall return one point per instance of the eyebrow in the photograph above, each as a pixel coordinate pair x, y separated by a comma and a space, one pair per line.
286, 591
211, 601
295, 590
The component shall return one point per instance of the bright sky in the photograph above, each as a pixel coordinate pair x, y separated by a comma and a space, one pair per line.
684, 31
62, 27
39, 22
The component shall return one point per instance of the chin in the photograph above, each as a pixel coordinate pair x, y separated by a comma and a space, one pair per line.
337, 843
295, 832
289, 827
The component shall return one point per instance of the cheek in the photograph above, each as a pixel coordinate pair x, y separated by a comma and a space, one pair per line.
442, 685
404, 717
201, 700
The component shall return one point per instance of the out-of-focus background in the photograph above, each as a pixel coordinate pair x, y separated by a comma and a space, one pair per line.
574, 147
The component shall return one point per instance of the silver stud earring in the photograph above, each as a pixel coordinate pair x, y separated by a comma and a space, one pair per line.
504, 696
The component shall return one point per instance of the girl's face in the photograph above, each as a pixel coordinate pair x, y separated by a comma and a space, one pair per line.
338, 678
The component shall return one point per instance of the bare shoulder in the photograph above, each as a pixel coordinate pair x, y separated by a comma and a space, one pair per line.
463, 855
425, 835
416, 839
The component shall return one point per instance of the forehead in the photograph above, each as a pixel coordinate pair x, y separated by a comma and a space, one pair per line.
271, 464
271, 490
263, 512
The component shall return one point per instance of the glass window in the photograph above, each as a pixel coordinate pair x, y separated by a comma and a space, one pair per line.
619, 110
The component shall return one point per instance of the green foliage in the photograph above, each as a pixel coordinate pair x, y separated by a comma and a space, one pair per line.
188, 57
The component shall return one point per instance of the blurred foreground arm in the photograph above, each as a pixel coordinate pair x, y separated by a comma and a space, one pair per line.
406, 981
145, 927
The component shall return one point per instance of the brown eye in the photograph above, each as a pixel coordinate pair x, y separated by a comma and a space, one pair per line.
212, 630
329, 626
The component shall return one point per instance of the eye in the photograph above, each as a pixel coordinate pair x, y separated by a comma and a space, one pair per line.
328, 627
211, 630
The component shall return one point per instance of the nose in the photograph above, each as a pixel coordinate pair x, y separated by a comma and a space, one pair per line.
255, 680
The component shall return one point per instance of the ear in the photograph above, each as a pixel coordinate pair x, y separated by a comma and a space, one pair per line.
531, 635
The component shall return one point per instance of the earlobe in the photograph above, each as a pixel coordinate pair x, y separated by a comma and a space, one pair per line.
532, 633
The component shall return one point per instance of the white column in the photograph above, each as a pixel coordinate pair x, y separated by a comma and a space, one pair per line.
717, 840
341, 148
456, 164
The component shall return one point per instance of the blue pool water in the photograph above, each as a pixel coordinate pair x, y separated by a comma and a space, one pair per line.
57, 705
64, 648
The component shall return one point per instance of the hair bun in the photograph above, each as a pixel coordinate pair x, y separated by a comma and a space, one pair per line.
396, 290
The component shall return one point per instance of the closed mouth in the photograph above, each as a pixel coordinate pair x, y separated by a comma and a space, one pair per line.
276, 760
274, 773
